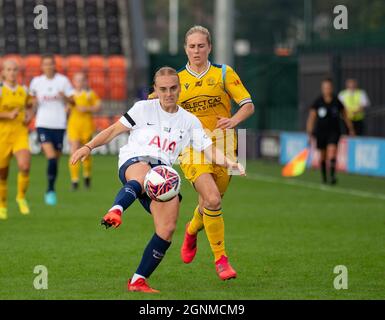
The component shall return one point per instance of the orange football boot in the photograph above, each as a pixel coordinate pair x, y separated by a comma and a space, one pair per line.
140, 285
112, 219
224, 270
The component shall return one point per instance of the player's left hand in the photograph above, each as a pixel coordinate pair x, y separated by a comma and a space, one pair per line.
237, 166
80, 154
225, 123
28, 117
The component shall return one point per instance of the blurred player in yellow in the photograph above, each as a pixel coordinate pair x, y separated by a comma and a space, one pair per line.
206, 91
15, 113
81, 126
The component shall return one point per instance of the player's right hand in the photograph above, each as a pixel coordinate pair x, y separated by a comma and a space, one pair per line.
80, 154
112, 219
82, 108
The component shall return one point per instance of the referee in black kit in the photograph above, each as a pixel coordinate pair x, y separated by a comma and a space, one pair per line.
324, 123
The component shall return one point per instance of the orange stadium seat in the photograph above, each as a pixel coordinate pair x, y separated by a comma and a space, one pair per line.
75, 63
60, 64
117, 77
118, 62
118, 85
19, 60
97, 75
101, 123
32, 67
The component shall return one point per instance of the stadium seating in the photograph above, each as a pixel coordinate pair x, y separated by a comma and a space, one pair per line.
61, 65
75, 63
96, 75
117, 77
53, 44
87, 29
84, 36
32, 67
101, 123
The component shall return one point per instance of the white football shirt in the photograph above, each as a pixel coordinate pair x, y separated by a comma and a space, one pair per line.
161, 135
50, 106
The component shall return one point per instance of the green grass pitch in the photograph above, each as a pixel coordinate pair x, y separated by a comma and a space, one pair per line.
284, 238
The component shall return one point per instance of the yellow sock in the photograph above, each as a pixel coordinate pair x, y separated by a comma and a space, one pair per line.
215, 231
22, 184
3, 193
196, 223
74, 171
87, 166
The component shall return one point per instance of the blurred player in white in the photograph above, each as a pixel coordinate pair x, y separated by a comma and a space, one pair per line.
159, 131
51, 92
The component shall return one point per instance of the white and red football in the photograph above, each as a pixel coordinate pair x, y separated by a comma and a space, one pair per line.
162, 183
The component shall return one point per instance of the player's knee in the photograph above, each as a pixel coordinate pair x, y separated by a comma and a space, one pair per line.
213, 200
24, 168
166, 230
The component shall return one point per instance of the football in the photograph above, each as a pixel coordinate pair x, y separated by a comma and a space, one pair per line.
162, 183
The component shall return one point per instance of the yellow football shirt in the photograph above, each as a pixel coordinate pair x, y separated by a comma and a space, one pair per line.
208, 95
87, 99
11, 99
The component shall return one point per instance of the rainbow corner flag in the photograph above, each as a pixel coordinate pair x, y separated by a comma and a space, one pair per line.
297, 165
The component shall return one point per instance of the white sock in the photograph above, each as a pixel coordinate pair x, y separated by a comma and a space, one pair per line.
136, 277
120, 208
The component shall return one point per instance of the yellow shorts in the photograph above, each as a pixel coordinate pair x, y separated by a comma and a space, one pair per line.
219, 173
81, 133
194, 164
19, 141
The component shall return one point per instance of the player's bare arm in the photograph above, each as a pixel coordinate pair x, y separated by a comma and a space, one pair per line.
241, 115
100, 139
310, 123
9, 115
67, 100
29, 112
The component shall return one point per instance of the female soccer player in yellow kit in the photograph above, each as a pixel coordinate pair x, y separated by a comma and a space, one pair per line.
80, 126
206, 91
15, 113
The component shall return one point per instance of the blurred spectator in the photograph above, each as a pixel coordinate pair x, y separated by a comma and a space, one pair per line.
355, 101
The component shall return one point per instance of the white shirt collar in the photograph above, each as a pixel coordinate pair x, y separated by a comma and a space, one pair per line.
198, 75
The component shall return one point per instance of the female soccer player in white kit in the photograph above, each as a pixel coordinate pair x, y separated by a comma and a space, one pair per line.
52, 91
159, 131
